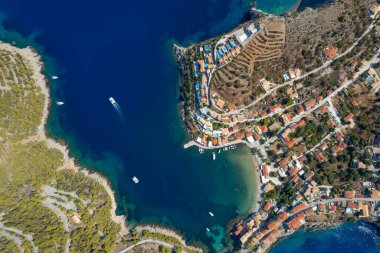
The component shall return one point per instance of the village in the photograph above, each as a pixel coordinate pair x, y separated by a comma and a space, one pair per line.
301, 131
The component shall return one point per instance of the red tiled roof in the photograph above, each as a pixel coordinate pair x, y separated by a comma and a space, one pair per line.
267, 206
298, 208
349, 117
349, 194
239, 136
291, 143
331, 52
283, 162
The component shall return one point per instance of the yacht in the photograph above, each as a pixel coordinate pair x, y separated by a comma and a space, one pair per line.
136, 180
211, 214
60, 103
208, 230
112, 100
213, 156
54, 77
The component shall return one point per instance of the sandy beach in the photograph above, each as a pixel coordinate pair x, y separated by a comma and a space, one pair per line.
34, 61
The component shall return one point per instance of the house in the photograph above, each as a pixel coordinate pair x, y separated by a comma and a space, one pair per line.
323, 146
256, 136
283, 162
267, 207
258, 130
220, 103
249, 137
291, 143
268, 187
338, 135
299, 208
265, 170
349, 194
292, 74
374, 85
201, 66
365, 212
349, 117
264, 129
309, 175
296, 222
309, 212
374, 10
299, 109
335, 150
320, 157
354, 103
274, 126
309, 104
375, 194
285, 118
239, 136
231, 108
76, 218
274, 108
330, 53
238, 230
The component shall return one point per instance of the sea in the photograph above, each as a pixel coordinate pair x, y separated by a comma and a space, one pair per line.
123, 49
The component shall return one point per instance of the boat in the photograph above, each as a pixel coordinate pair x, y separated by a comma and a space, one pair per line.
201, 151
213, 156
136, 180
54, 77
208, 230
211, 214
112, 100
60, 103
219, 151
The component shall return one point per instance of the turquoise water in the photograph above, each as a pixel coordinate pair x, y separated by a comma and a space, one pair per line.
123, 49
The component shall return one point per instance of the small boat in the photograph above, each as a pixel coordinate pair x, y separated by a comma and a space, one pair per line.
112, 100
201, 151
219, 151
213, 156
211, 214
54, 77
136, 180
60, 103
208, 230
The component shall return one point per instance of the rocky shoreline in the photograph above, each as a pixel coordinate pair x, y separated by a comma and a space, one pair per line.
35, 62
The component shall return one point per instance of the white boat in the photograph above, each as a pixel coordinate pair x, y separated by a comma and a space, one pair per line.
136, 180
112, 100
219, 151
211, 214
208, 230
201, 151
213, 156
54, 77
60, 103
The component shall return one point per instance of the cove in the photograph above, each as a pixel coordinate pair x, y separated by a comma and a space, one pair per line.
123, 49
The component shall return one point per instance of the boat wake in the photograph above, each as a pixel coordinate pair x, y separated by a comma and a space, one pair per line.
118, 110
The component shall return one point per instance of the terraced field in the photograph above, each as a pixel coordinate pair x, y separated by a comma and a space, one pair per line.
234, 82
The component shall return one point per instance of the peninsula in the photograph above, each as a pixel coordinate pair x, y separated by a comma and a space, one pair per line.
302, 92
48, 203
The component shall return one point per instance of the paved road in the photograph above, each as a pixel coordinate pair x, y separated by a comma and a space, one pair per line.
147, 241
325, 65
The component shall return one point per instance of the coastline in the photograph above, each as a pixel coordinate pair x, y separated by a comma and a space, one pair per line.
35, 62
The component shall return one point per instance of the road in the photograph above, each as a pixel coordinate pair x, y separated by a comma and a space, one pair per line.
148, 241
325, 65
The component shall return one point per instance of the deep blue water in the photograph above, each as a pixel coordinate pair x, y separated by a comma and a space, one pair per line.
355, 237
123, 49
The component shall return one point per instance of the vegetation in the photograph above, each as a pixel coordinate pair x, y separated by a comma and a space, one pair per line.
27, 164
